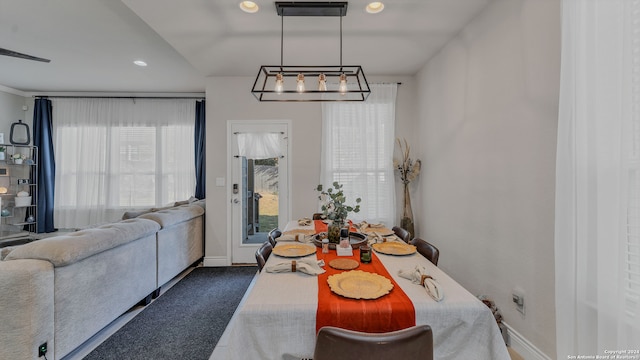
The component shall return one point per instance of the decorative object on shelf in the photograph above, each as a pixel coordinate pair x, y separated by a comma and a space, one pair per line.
329, 82
18, 158
22, 199
5, 213
3, 190
2, 153
335, 210
408, 170
31, 219
20, 134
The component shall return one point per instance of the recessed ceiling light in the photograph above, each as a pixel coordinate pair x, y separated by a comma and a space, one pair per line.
375, 7
140, 63
249, 6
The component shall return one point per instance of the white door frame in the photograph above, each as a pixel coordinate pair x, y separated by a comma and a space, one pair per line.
285, 206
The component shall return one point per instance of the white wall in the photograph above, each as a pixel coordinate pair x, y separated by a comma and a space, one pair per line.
230, 98
488, 106
11, 103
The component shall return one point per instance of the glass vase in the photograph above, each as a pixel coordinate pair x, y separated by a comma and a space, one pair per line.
333, 231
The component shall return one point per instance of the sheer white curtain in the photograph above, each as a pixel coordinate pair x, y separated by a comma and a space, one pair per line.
597, 244
357, 151
259, 145
114, 155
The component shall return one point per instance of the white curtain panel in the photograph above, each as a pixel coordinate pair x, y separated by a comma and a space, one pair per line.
259, 145
357, 151
597, 244
114, 155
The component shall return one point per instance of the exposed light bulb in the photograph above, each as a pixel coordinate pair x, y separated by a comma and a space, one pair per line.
300, 81
322, 82
343, 84
279, 84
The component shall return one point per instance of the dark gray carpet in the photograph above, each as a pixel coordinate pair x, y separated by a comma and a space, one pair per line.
184, 323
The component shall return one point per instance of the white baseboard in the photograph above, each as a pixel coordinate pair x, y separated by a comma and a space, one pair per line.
214, 261
523, 346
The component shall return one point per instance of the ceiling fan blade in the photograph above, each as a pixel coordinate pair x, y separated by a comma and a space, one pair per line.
21, 55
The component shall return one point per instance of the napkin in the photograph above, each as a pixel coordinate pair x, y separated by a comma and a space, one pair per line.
419, 276
292, 237
305, 222
373, 238
364, 225
306, 266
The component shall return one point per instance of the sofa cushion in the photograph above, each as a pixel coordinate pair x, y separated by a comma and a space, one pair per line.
202, 203
134, 214
185, 202
174, 215
5, 251
66, 249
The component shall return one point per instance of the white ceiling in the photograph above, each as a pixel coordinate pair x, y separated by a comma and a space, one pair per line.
92, 43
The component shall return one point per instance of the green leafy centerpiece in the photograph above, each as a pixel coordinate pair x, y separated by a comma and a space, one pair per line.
334, 209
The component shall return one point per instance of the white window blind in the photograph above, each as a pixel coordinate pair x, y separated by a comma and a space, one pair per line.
597, 245
114, 155
632, 249
357, 151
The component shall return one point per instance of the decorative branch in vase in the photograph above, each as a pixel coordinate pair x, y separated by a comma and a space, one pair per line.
334, 209
408, 169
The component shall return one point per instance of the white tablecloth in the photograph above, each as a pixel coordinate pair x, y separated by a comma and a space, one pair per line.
276, 320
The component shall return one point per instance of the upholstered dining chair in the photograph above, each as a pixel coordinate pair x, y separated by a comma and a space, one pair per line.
262, 254
427, 250
402, 233
273, 235
334, 343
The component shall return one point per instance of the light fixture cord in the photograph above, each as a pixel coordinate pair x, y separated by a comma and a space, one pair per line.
340, 40
282, 39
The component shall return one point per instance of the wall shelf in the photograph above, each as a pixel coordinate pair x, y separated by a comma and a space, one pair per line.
18, 176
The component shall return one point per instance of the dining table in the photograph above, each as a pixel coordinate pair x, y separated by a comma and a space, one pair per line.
280, 314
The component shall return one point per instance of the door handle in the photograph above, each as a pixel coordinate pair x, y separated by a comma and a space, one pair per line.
235, 201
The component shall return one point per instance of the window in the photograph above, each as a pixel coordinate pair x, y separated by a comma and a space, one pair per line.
114, 155
357, 151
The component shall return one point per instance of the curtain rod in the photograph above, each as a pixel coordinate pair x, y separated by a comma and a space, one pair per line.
117, 97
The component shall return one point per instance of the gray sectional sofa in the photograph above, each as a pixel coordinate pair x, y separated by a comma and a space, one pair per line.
64, 289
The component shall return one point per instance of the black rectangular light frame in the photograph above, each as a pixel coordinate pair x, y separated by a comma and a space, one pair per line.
314, 8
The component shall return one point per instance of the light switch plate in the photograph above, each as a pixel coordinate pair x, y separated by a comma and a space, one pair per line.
220, 181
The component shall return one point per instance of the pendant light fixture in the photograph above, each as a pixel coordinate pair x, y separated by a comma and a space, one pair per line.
287, 83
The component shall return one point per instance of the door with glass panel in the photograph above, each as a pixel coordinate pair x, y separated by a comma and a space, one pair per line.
259, 189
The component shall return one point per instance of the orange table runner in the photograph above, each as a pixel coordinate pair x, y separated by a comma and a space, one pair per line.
322, 227
391, 312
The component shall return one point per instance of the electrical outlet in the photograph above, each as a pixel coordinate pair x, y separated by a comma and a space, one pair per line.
517, 296
42, 350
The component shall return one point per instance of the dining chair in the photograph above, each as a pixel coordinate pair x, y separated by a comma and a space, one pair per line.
402, 233
427, 250
273, 235
262, 254
334, 343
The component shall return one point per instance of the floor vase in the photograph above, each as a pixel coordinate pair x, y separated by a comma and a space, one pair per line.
407, 214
